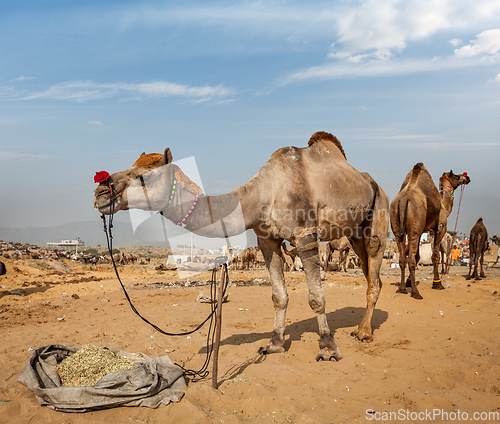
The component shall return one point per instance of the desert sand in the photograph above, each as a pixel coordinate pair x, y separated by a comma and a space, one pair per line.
430, 357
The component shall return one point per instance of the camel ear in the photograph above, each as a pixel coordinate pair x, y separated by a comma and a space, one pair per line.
143, 154
167, 156
451, 173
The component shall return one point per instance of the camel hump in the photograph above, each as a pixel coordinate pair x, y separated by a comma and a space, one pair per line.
322, 135
150, 160
415, 172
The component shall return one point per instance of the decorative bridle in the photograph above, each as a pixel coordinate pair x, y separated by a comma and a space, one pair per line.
104, 177
448, 191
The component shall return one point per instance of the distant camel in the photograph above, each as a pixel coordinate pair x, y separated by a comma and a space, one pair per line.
248, 257
478, 244
496, 240
295, 255
343, 246
445, 249
417, 208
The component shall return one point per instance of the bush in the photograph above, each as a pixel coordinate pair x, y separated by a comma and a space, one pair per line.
91, 251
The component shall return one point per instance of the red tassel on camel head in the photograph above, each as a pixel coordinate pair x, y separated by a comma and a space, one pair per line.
101, 176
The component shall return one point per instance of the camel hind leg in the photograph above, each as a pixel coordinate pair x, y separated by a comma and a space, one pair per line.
309, 254
402, 266
370, 247
481, 260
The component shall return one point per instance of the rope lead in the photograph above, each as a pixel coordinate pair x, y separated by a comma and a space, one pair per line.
193, 375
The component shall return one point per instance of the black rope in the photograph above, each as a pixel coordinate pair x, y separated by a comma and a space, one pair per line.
193, 375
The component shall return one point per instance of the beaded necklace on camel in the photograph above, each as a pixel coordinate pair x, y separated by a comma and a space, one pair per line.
189, 212
447, 191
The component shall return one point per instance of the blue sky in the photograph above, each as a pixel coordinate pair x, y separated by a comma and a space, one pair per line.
89, 85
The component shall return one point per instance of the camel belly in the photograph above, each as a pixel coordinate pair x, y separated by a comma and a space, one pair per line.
335, 223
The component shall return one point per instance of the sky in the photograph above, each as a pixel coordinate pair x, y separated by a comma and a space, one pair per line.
89, 85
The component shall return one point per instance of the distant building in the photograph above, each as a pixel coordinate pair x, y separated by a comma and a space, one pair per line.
68, 243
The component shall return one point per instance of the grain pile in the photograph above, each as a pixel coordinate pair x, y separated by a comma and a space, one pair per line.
89, 364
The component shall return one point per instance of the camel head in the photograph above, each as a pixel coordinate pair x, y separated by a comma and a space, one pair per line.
455, 180
149, 184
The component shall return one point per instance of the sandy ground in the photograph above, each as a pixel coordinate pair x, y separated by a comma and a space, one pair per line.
439, 355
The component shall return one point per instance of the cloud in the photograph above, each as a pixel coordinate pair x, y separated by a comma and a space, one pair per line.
381, 28
373, 35
21, 78
486, 43
375, 68
497, 78
95, 123
20, 156
89, 90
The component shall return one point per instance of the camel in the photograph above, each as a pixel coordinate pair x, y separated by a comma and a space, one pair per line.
343, 246
444, 249
496, 240
478, 244
295, 255
303, 195
417, 208
248, 257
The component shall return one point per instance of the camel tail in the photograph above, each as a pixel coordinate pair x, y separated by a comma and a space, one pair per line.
403, 207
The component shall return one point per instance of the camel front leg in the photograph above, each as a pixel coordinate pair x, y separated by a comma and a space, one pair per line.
436, 282
271, 250
309, 254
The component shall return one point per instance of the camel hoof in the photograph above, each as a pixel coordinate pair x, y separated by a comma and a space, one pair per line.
329, 355
333, 358
270, 349
417, 296
438, 287
362, 336
402, 291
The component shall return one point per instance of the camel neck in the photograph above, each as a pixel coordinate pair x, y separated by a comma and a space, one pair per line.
447, 194
207, 216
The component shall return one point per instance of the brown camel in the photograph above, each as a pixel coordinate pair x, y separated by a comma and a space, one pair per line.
417, 208
341, 245
303, 195
478, 244
248, 257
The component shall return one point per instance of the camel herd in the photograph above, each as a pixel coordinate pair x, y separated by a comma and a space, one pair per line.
16, 250
303, 196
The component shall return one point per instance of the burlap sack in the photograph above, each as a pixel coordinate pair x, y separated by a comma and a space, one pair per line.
153, 382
